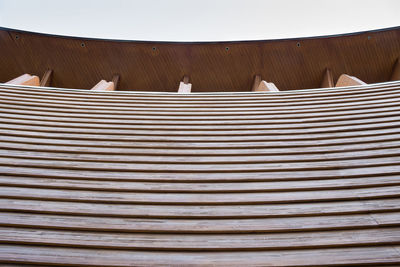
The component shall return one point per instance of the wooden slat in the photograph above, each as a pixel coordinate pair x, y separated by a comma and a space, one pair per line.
221, 104
258, 225
214, 242
201, 187
199, 198
201, 211
104, 257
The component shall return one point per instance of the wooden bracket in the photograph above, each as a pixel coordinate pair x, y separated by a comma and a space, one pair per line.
46, 79
347, 80
327, 81
267, 87
25, 79
184, 86
256, 83
103, 85
115, 80
396, 71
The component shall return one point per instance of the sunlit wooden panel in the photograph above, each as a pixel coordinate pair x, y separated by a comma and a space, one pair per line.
267, 87
184, 86
347, 80
103, 85
25, 79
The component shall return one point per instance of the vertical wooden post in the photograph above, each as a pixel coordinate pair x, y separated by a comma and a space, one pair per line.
256, 82
115, 80
396, 71
46, 78
327, 81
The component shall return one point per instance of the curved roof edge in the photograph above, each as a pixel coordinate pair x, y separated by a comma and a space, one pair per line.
203, 42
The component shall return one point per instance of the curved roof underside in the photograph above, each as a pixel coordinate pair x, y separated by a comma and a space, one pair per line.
221, 66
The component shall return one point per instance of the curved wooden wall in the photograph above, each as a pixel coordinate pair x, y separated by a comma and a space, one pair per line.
212, 67
299, 178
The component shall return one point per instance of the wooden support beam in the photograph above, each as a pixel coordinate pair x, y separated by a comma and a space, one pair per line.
46, 79
396, 71
266, 87
185, 79
103, 85
115, 80
25, 79
327, 81
347, 80
184, 86
256, 83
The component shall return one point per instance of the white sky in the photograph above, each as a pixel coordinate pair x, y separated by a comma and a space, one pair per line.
201, 20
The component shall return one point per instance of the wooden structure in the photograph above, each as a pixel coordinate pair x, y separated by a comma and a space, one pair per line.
212, 67
286, 178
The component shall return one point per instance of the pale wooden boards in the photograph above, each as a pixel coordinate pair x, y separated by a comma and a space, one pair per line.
288, 179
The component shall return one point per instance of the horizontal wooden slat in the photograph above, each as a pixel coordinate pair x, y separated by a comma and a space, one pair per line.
203, 176
229, 124
305, 257
15, 107
270, 104
200, 211
228, 151
199, 198
220, 99
121, 186
196, 159
260, 225
213, 242
201, 167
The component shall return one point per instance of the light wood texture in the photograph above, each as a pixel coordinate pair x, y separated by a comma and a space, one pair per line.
103, 85
396, 71
302, 178
266, 87
46, 79
184, 86
25, 79
347, 80
327, 81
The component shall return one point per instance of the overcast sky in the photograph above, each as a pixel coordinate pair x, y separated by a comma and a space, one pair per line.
201, 20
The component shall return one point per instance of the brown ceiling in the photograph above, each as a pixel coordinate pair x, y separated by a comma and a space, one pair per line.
220, 66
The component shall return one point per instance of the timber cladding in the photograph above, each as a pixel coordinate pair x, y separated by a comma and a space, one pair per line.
212, 67
294, 178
